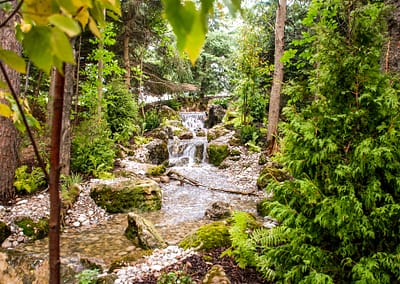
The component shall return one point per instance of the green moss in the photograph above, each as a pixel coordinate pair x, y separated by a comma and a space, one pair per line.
208, 237
156, 170
143, 196
269, 174
35, 230
5, 232
217, 153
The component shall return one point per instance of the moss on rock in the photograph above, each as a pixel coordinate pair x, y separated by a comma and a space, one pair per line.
217, 153
269, 174
207, 237
128, 195
156, 170
34, 230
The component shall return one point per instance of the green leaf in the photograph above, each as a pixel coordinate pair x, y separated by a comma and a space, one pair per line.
5, 111
13, 60
188, 24
61, 47
37, 46
66, 24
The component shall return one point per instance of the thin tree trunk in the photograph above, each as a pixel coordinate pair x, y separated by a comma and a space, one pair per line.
127, 63
8, 133
275, 99
78, 67
391, 62
50, 103
65, 152
55, 201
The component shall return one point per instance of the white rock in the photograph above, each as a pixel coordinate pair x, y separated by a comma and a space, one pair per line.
76, 224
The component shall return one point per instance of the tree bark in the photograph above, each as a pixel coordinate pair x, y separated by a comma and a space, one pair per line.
392, 54
65, 151
54, 184
127, 63
275, 99
8, 133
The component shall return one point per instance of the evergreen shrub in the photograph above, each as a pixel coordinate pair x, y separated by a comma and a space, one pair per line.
340, 214
122, 112
93, 150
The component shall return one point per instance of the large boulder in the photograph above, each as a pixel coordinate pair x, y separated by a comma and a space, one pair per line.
157, 151
143, 233
217, 152
217, 131
215, 115
126, 195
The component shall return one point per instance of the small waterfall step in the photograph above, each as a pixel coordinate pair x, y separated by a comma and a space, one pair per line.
189, 151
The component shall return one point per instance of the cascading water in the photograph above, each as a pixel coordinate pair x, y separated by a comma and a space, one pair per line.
191, 149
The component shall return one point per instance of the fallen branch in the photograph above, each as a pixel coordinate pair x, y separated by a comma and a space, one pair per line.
183, 179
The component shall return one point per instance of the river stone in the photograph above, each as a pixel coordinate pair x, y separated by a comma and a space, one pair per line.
128, 195
157, 151
143, 233
217, 131
218, 210
215, 115
5, 232
208, 237
216, 275
217, 152
185, 135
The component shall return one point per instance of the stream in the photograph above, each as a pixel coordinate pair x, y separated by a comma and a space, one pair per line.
182, 211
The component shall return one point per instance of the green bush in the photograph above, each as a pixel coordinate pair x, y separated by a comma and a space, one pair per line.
339, 216
29, 182
249, 133
152, 120
87, 276
93, 150
122, 112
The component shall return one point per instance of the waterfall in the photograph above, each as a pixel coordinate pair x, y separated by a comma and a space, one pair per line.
189, 151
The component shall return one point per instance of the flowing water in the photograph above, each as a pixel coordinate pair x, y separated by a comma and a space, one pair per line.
181, 213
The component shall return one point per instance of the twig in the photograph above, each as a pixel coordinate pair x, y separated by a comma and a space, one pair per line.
35, 148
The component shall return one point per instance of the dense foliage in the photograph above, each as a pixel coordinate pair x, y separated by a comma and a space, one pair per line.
339, 215
93, 150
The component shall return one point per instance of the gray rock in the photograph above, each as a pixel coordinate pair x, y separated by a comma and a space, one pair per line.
143, 232
157, 152
126, 195
218, 210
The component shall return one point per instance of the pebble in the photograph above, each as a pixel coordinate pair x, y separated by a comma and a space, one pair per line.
151, 264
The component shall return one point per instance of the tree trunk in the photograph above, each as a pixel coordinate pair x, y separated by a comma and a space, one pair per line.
8, 132
54, 184
392, 54
49, 118
275, 99
127, 63
65, 151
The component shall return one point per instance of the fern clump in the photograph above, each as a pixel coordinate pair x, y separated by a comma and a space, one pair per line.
340, 214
